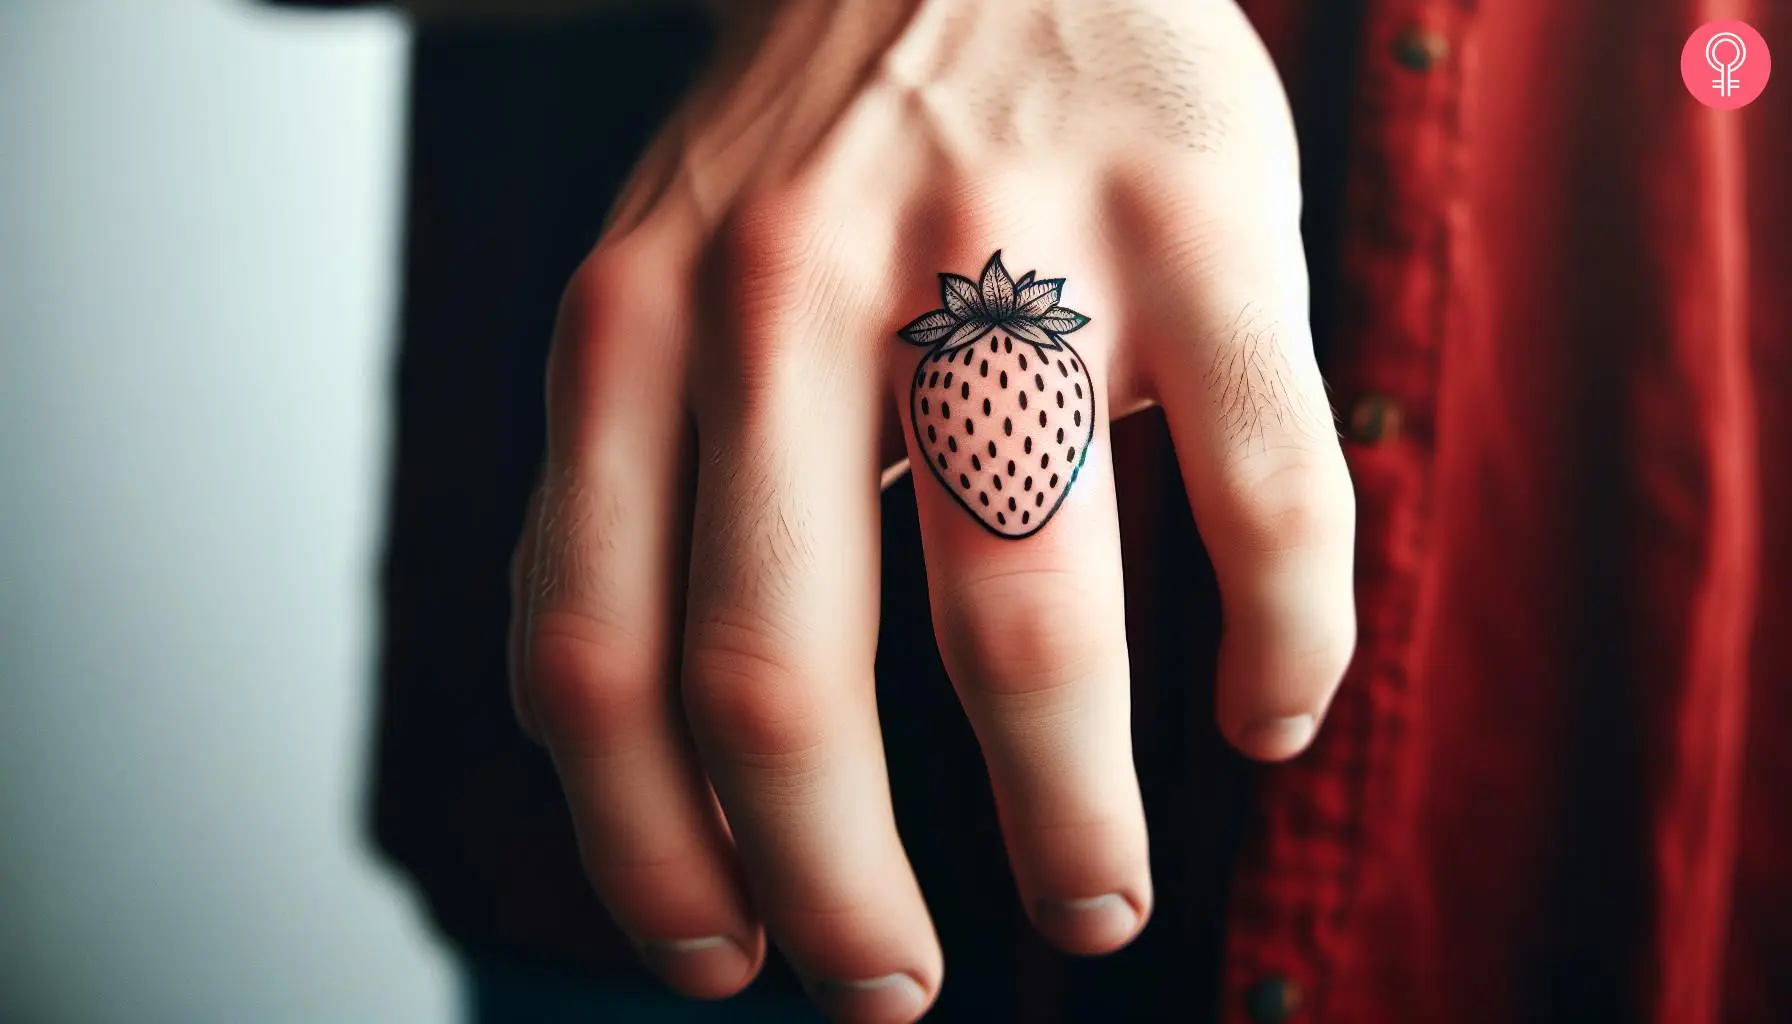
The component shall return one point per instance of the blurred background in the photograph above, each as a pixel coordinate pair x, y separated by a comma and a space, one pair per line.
192, 470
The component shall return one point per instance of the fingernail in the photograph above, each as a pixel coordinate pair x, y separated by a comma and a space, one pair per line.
1277, 739
893, 997
1096, 924
714, 963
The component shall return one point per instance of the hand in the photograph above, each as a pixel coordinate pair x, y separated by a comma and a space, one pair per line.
759, 331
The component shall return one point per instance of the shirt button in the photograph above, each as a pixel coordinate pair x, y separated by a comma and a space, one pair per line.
1273, 1000
1374, 419
1420, 49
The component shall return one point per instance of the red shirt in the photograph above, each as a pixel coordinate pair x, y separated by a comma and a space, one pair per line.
1551, 785
1550, 296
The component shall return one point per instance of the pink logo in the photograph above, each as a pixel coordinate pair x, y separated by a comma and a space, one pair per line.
1725, 64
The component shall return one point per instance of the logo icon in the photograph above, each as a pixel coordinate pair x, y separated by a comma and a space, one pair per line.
1725, 64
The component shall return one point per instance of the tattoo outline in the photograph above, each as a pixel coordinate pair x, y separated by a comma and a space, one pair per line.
1027, 387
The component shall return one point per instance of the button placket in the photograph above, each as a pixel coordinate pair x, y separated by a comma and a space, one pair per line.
1289, 947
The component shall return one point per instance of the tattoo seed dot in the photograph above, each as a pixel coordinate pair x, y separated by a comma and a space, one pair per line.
992, 449
942, 458
1012, 504
1042, 417
969, 427
924, 407
1039, 499
1004, 379
976, 463
986, 407
1079, 391
948, 378
1060, 435
1028, 446
1007, 426
1078, 418
1010, 467
995, 345
1054, 481
1039, 382
1061, 368
1007, 344
1073, 364
1023, 399
1027, 484
1071, 457
1002, 519
1046, 460
934, 381
983, 496
964, 390
968, 355
983, 369
933, 436
1024, 516
1060, 399
1023, 360
998, 482
952, 443
964, 481
945, 411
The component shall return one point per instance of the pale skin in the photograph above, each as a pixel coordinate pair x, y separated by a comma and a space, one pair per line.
698, 588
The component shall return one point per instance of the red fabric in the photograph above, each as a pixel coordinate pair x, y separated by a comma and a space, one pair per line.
1553, 785
1542, 789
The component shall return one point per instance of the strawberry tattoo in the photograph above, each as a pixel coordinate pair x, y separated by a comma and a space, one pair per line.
1003, 407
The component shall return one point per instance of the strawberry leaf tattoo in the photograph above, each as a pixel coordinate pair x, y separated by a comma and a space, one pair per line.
1003, 408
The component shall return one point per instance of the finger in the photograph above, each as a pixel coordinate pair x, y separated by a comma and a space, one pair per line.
1266, 478
601, 654
779, 654
1006, 409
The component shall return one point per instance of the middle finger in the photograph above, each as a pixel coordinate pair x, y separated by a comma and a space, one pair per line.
1022, 543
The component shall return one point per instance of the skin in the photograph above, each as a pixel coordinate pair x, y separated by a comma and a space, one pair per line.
697, 592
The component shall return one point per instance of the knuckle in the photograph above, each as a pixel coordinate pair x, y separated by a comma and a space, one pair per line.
763, 280
1263, 409
613, 277
765, 233
1291, 506
590, 678
620, 323
764, 263
1020, 634
744, 696
1210, 219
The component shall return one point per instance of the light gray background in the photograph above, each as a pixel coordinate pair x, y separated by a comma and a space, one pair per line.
198, 228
